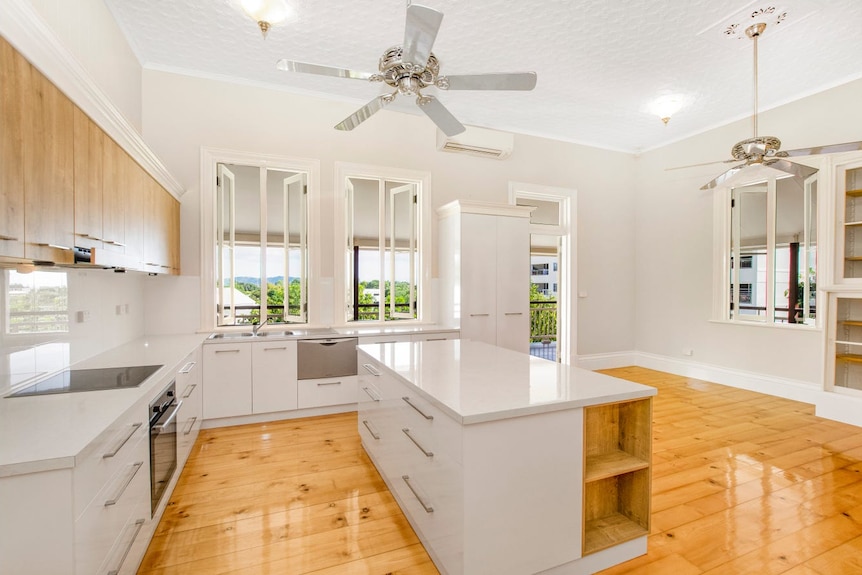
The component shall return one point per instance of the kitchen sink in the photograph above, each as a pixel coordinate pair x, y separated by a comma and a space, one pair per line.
274, 333
235, 335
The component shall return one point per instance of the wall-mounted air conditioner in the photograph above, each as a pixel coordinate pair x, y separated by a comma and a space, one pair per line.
478, 142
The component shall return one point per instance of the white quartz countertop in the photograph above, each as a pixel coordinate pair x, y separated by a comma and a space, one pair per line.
276, 332
43, 432
475, 382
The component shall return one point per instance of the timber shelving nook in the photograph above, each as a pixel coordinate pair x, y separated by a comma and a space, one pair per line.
506, 463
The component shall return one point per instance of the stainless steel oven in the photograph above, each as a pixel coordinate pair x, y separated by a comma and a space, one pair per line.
163, 443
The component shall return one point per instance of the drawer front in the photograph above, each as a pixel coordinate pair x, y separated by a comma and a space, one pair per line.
105, 519
434, 336
329, 391
190, 414
104, 457
439, 434
131, 544
431, 496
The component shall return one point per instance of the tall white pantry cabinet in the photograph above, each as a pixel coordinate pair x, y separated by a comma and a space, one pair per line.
484, 265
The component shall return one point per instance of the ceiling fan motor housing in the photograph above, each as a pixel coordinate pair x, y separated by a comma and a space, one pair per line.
759, 147
404, 76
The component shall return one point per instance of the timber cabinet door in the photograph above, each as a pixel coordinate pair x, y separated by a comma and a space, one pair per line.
14, 76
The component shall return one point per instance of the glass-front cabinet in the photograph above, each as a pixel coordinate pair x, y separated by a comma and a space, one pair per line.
844, 346
848, 179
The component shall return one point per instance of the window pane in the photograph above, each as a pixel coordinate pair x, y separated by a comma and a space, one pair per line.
402, 252
286, 256
37, 302
547, 212
365, 243
749, 243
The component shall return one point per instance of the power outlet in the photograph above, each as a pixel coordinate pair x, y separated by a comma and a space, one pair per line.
119, 309
83, 316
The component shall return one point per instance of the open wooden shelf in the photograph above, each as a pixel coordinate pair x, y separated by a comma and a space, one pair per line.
851, 357
608, 531
853, 223
853, 258
854, 193
853, 322
611, 464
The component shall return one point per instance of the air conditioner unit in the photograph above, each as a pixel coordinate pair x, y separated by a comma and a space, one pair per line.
478, 142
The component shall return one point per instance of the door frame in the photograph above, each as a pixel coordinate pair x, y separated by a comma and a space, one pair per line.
567, 320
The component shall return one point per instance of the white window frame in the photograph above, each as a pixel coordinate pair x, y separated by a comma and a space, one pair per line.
425, 251
210, 158
723, 278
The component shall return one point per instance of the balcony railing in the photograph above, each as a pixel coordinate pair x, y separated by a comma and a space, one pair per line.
543, 321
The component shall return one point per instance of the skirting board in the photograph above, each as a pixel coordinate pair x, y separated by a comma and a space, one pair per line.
843, 408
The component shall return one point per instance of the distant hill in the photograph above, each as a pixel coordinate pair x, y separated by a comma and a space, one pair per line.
256, 281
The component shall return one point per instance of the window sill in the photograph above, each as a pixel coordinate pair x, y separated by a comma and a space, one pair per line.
790, 326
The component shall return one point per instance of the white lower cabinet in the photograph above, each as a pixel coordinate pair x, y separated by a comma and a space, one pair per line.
227, 380
273, 380
327, 391
190, 415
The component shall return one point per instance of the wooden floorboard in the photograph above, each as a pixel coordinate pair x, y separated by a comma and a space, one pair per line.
743, 483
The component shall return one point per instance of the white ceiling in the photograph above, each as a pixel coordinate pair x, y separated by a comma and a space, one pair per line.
600, 63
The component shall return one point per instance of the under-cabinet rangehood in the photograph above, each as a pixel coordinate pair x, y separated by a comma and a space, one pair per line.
478, 142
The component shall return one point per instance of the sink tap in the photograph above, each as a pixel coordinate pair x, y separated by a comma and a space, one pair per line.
256, 327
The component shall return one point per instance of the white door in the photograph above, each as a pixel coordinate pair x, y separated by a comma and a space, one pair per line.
513, 283
479, 277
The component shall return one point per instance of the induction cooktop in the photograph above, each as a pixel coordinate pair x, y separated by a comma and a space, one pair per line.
75, 380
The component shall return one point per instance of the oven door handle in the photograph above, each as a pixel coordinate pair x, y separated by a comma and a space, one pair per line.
159, 427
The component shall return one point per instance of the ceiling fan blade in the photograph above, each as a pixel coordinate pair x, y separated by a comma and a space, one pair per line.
419, 34
718, 180
438, 113
302, 67
362, 113
514, 81
797, 170
703, 164
830, 149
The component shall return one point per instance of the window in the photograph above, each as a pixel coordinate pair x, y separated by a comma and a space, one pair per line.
385, 232
36, 302
539, 269
773, 236
260, 244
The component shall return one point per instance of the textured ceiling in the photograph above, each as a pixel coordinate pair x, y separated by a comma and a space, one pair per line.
600, 63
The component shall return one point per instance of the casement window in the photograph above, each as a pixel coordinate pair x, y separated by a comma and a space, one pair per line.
772, 232
384, 243
261, 251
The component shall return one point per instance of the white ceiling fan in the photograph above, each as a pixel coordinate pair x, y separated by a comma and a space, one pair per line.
766, 150
412, 67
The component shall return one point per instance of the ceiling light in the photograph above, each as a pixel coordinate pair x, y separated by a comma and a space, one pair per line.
666, 106
267, 13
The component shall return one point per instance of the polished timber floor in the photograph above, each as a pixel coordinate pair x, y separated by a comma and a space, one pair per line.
743, 483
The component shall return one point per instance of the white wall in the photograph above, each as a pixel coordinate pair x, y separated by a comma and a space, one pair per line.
675, 235
88, 30
181, 114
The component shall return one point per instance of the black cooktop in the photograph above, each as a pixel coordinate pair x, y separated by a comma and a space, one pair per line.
74, 380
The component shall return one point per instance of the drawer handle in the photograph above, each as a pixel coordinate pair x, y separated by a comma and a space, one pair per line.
189, 390
115, 498
282, 348
479, 315
188, 367
427, 453
422, 413
8, 238
117, 449
55, 246
514, 313
138, 524
191, 425
227, 351
371, 429
370, 369
371, 394
416, 493
436, 339
329, 383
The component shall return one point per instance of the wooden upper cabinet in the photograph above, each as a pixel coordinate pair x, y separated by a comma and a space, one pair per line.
14, 82
132, 194
161, 230
89, 172
49, 168
113, 212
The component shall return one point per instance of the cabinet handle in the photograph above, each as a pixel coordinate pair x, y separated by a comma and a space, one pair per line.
138, 524
371, 430
329, 383
370, 369
514, 313
427, 453
422, 413
189, 390
479, 315
8, 238
227, 351
117, 449
151, 264
115, 498
428, 508
188, 367
113, 243
282, 348
55, 246
436, 339
191, 425
371, 394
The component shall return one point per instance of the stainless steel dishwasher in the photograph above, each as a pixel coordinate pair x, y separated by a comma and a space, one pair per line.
320, 358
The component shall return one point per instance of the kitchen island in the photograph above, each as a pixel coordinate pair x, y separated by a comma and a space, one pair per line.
505, 463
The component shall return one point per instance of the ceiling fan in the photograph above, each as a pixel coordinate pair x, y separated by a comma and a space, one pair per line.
766, 150
412, 67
